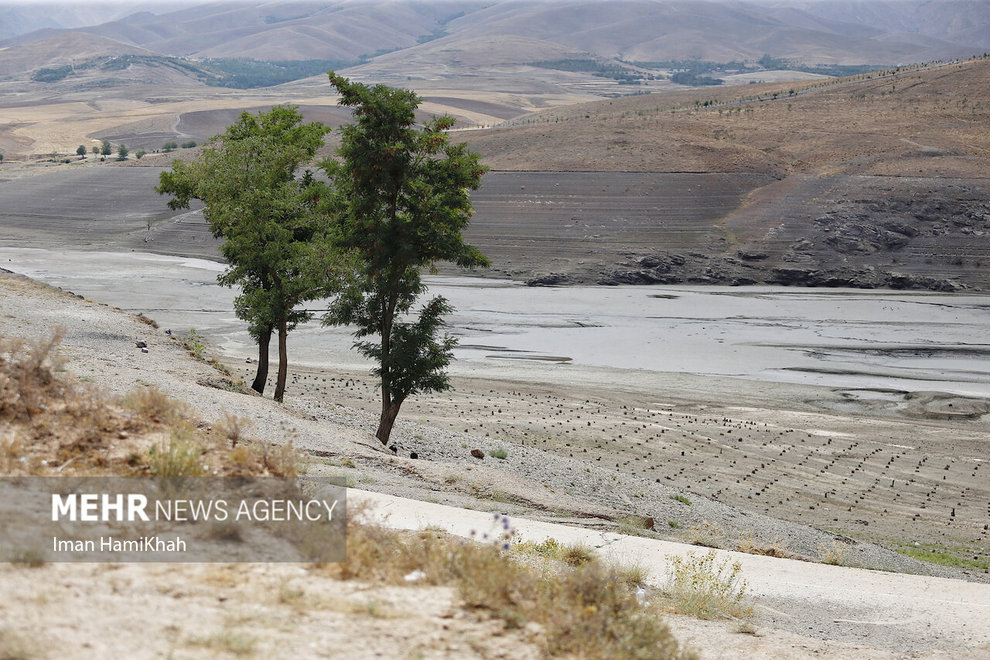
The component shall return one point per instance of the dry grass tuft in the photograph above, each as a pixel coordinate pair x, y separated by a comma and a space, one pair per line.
154, 405
707, 588
28, 379
233, 428
706, 534
751, 546
577, 554
283, 460
587, 611
180, 455
835, 554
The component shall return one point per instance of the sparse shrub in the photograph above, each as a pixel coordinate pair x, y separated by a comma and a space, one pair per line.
577, 554
749, 545
189, 145
11, 451
706, 534
635, 525
834, 554
585, 612
193, 343
144, 319
140, 153
153, 404
27, 376
178, 456
233, 428
243, 458
283, 460
549, 548
706, 587
170, 146
498, 453
681, 498
631, 575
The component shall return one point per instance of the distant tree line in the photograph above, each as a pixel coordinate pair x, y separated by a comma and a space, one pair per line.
239, 73
693, 79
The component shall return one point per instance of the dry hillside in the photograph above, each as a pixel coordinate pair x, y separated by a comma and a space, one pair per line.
926, 122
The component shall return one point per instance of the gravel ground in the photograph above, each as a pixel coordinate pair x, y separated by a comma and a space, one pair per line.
529, 482
99, 344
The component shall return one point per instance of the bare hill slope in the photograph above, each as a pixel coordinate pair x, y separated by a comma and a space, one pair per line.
648, 30
929, 122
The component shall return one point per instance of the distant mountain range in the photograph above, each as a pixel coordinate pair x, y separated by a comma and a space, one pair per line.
845, 32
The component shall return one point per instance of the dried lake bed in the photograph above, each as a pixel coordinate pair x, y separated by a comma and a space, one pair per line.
883, 342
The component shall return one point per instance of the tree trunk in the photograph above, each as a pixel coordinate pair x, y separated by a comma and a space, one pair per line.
389, 412
283, 361
261, 377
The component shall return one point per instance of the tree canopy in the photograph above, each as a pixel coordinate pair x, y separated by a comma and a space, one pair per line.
402, 199
275, 239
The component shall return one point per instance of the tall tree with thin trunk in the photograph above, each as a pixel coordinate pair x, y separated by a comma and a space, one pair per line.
275, 239
402, 199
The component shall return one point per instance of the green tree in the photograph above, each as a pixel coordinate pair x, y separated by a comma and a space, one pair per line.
401, 194
1, 158
106, 148
276, 242
95, 149
81, 151
122, 151
140, 153
170, 146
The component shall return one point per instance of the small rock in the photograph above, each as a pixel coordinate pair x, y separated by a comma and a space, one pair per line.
415, 576
413, 455
477, 453
140, 343
144, 350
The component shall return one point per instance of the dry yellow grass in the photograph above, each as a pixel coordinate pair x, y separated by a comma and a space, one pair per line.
917, 122
51, 424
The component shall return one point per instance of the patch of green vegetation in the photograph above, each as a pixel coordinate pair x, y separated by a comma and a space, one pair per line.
52, 74
706, 72
498, 453
243, 73
936, 553
681, 498
688, 78
624, 75
436, 34
238, 73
